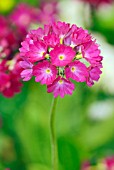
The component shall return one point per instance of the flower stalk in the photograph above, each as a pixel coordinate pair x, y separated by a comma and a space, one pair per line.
54, 151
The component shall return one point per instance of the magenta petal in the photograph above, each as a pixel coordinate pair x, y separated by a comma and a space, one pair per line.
77, 71
61, 87
45, 72
26, 74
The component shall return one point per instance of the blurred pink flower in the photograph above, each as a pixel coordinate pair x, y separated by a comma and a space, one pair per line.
86, 166
26, 74
62, 55
94, 75
106, 163
10, 77
23, 15
109, 162
8, 37
77, 71
45, 72
55, 62
48, 11
61, 86
96, 3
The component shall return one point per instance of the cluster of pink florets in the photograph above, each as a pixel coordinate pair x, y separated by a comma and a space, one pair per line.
59, 53
48, 11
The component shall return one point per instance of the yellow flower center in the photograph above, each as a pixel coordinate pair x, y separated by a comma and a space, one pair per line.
42, 53
79, 56
73, 69
11, 64
61, 81
47, 56
61, 40
48, 71
61, 57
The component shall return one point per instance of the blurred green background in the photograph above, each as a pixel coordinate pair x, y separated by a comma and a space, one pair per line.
84, 121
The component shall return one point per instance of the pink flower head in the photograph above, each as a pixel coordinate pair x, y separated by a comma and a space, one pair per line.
92, 53
45, 72
109, 162
59, 53
79, 36
7, 36
94, 75
4, 48
61, 29
26, 46
96, 3
77, 71
10, 77
62, 55
37, 51
23, 15
13, 87
48, 11
61, 87
26, 74
52, 40
3, 26
33, 51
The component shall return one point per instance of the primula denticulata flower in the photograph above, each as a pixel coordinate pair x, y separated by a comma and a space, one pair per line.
57, 54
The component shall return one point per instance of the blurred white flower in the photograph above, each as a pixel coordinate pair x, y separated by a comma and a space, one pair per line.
101, 110
72, 11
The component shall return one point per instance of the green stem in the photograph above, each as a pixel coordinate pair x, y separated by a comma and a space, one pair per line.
53, 136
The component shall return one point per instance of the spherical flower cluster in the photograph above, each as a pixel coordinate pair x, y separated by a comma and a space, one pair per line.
96, 3
59, 53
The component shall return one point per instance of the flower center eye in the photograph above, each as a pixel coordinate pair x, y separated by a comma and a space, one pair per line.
73, 69
61, 81
61, 40
48, 71
79, 56
61, 57
42, 53
47, 56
